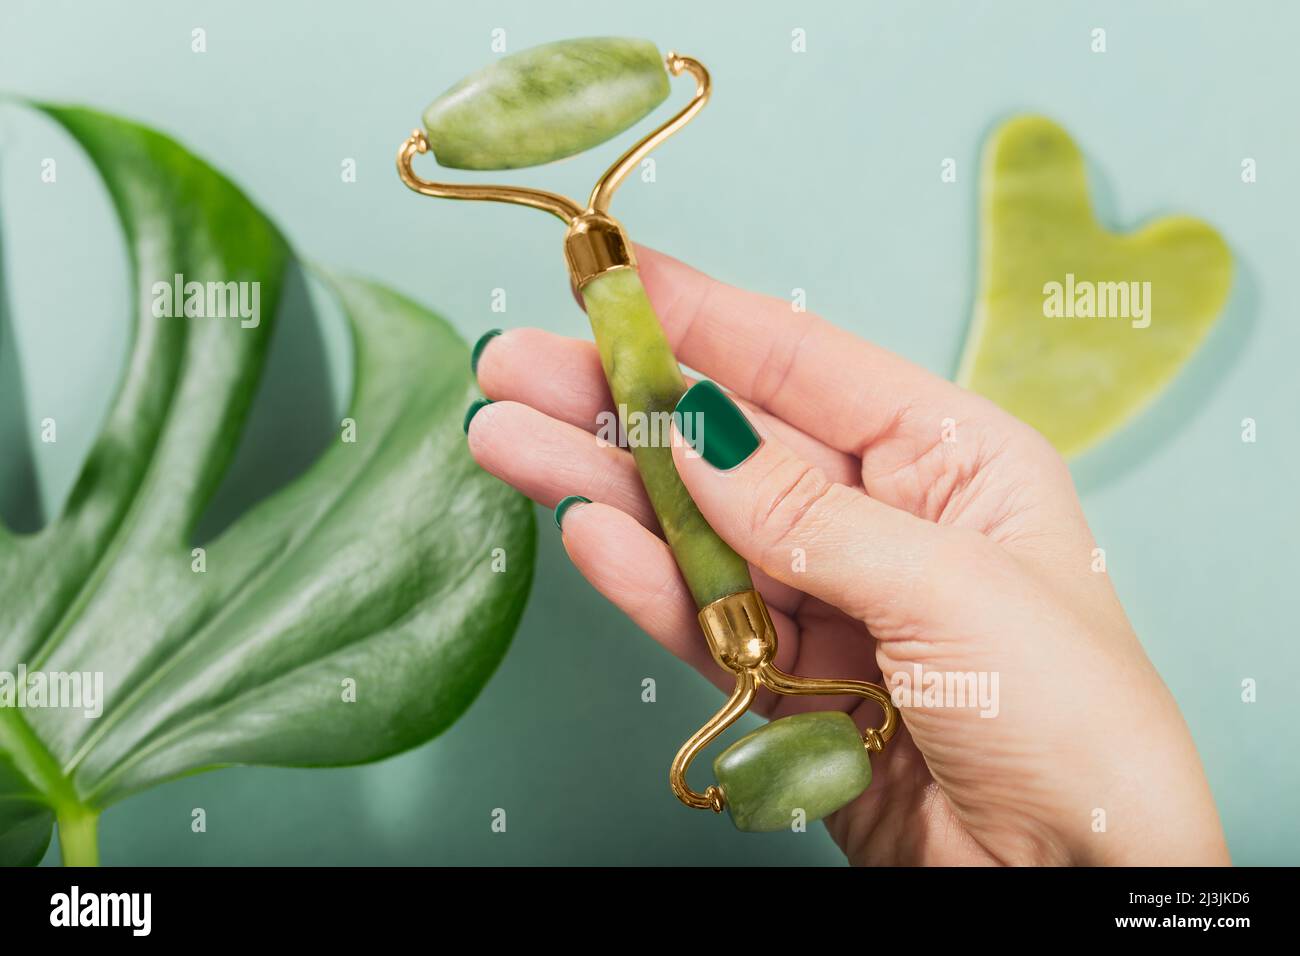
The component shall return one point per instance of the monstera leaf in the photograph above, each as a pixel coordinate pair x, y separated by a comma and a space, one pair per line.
351, 615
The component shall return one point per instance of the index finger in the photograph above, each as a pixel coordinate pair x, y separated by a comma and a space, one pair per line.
796, 365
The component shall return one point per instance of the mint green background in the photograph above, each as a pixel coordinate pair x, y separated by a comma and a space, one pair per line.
818, 171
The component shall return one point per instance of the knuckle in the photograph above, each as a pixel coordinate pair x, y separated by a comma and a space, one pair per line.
788, 500
1033, 446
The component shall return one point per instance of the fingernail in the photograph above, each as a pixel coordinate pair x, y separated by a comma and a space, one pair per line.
473, 410
479, 346
565, 504
713, 425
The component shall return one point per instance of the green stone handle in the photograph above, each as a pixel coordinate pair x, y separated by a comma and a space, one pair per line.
814, 763
646, 383
546, 103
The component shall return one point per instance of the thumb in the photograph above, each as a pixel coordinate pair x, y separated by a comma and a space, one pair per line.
785, 516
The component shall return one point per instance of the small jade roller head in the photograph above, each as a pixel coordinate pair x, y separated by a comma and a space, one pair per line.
546, 103
554, 101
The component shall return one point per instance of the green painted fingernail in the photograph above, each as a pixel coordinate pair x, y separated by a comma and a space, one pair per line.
713, 425
479, 346
473, 410
565, 504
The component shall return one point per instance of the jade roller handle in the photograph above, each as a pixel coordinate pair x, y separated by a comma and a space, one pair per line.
646, 383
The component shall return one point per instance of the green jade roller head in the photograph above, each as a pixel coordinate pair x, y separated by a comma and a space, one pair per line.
554, 101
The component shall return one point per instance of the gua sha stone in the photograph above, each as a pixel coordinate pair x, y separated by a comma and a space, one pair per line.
1077, 328
545, 103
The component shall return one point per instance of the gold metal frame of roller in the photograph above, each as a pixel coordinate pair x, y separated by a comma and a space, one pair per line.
738, 627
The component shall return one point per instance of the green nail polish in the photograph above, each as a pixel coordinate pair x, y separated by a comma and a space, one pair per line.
713, 425
565, 504
473, 410
479, 346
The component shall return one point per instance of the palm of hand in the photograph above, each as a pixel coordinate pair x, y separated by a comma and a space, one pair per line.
906, 817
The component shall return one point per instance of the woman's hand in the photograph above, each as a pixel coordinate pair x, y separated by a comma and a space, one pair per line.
897, 525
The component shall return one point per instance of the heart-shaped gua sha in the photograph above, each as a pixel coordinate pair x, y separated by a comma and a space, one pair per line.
1077, 328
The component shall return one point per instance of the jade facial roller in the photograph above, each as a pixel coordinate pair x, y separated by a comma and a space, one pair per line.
554, 101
